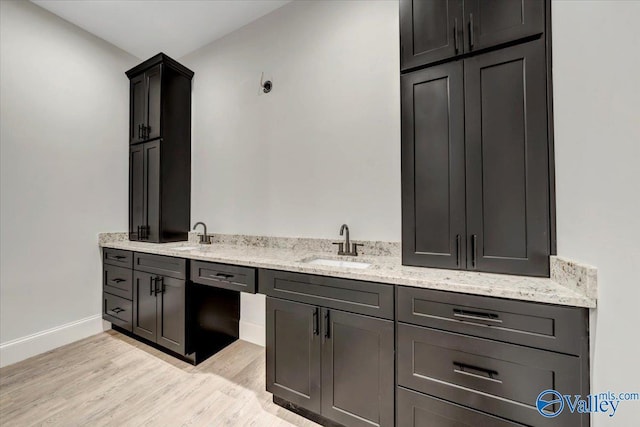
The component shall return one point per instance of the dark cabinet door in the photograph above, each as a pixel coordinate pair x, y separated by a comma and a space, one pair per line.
170, 311
144, 305
152, 190
293, 352
136, 192
357, 369
153, 82
137, 108
507, 161
489, 23
433, 176
430, 30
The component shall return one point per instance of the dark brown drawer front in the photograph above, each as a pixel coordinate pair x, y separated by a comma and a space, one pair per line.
118, 281
543, 326
235, 278
159, 264
117, 257
117, 311
490, 376
419, 410
373, 299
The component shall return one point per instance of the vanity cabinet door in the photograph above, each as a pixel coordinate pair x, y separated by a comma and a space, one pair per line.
490, 23
137, 108
136, 193
170, 312
293, 352
507, 161
144, 305
433, 167
430, 30
357, 369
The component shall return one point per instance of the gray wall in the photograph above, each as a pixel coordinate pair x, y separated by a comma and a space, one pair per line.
597, 128
64, 110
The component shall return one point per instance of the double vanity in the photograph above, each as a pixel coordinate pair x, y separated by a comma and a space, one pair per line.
363, 340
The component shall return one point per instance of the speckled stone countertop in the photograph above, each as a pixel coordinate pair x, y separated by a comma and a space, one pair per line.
571, 283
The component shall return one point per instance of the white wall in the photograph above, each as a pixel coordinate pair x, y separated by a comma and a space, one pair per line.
596, 69
64, 113
323, 147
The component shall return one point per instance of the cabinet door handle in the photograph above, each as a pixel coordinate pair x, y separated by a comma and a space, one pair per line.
455, 34
316, 321
471, 31
147, 131
458, 250
475, 372
140, 131
476, 315
152, 280
159, 280
327, 325
474, 250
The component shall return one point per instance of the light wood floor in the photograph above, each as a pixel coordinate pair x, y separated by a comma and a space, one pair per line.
112, 380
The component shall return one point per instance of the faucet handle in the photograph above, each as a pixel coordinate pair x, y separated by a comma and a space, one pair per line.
354, 248
340, 247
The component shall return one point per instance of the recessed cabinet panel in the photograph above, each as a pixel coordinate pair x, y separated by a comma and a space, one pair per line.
293, 352
153, 79
430, 30
170, 306
136, 193
137, 108
357, 369
433, 166
144, 305
507, 161
493, 22
152, 190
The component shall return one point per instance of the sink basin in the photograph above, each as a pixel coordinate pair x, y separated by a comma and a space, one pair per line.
337, 263
185, 248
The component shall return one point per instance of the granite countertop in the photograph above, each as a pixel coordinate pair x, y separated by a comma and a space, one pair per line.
571, 283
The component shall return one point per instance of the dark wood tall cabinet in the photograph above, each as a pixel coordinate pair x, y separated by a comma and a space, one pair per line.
160, 153
476, 185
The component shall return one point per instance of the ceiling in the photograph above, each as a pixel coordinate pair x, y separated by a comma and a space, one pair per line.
147, 27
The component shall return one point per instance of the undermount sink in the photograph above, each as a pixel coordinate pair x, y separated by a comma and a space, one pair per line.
185, 248
337, 263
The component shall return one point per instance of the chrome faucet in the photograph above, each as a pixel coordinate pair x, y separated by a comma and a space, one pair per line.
346, 247
205, 239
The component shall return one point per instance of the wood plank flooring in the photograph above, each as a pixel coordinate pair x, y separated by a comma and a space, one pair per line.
112, 380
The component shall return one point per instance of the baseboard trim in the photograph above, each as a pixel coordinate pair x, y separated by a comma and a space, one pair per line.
31, 345
253, 333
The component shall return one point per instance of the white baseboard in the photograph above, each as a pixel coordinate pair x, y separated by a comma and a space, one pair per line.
22, 348
252, 333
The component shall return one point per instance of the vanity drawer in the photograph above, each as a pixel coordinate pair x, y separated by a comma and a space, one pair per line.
160, 264
490, 376
117, 311
419, 410
545, 326
373, 299
117, 257
117, 281
232, 277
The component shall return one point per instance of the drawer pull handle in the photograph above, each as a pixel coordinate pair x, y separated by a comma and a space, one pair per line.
476, 315
119, 257
224, 276
117, 310
475, 372
119, 280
